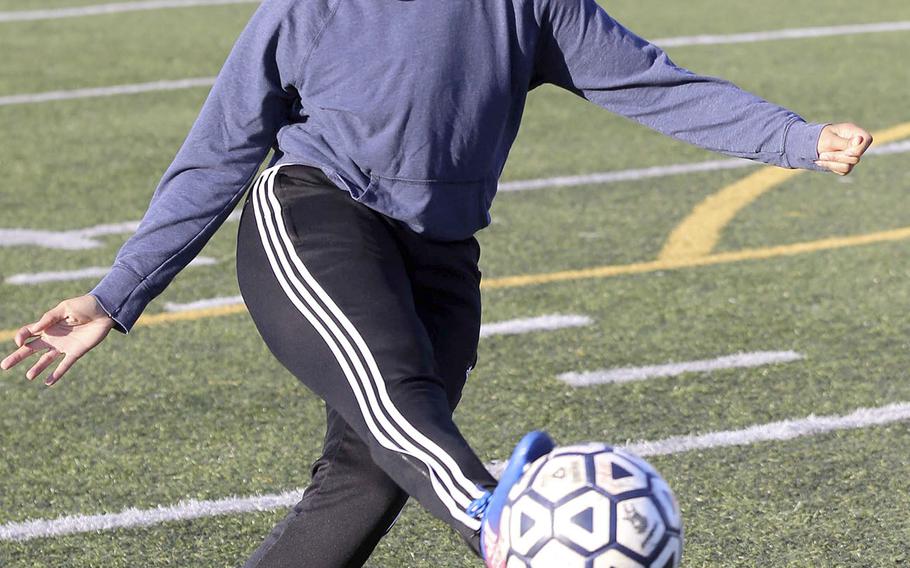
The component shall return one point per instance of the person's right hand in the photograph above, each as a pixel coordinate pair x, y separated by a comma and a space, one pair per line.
71, 329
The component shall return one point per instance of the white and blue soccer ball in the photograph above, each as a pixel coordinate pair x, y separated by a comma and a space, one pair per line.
591, 506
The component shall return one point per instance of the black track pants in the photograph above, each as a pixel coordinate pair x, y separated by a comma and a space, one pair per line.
383, 325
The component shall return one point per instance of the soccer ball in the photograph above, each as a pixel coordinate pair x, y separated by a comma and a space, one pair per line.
590, 506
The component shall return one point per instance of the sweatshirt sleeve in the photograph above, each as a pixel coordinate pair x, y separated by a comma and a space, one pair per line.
585, 51
251, 99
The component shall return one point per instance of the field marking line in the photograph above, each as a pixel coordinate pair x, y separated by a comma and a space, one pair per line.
624, 175
203, 304
81, 239
889, 149
775, 431
784, 34
193, 509
633, 374
113, 90
25, 279
78, 239
520, 326
764, 253
608, 271
680, 41
189, 315
129, 89
74, 239
700, 231
110, 8
548, 322
133, 517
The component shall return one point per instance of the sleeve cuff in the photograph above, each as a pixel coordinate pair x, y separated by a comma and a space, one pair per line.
801, 145
123, 295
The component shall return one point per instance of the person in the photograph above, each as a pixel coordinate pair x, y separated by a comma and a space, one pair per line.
390, 124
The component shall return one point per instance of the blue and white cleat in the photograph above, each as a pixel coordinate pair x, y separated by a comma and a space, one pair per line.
488, 508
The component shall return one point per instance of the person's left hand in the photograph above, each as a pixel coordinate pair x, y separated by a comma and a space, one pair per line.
841, 146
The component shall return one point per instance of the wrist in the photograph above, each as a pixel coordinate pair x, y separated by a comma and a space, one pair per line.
96, 309
801, 145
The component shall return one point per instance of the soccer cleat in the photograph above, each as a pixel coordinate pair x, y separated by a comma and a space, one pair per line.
488, 508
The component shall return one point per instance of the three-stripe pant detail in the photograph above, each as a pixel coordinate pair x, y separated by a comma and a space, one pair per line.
387, 423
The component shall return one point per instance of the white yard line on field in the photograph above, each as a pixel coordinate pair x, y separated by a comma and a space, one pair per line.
75, 239
777, 35
111, 91
549, 322
90, 272
625, 175
775, 431
111, 8
203, 304
748, 37
114, 90
893, 148
631, 374
663, 171
132, 517
193, 509
85, 238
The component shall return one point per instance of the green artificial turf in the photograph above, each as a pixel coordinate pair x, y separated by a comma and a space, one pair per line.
200, 410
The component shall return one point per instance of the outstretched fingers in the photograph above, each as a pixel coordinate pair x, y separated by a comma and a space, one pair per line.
23, 335
43, 363
69, 330
61, 369
22, 353
34, 329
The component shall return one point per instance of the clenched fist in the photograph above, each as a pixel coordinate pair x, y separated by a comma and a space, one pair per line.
841, 146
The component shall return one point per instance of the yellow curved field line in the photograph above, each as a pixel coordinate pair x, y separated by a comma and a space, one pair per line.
609, 271
697, 234
706, 260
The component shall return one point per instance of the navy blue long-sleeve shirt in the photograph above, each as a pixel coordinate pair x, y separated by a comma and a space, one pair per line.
412, 106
